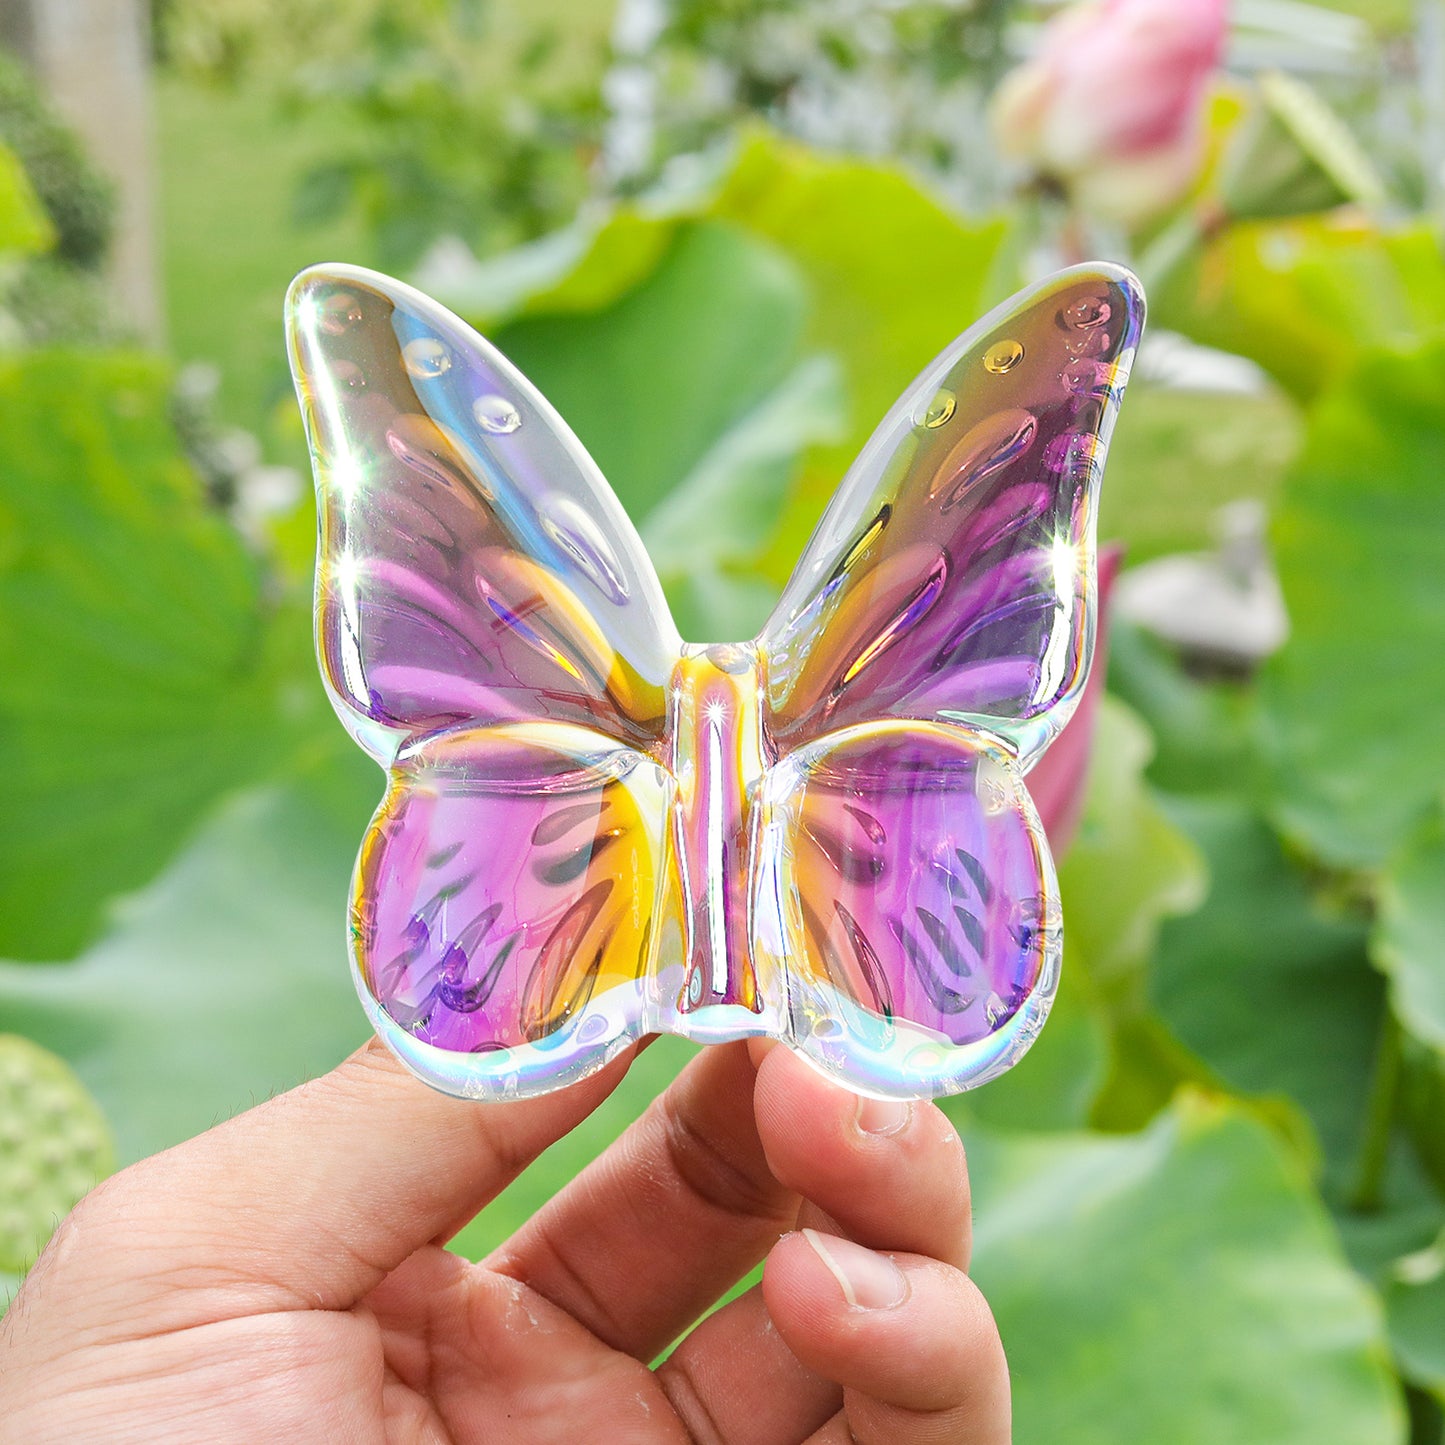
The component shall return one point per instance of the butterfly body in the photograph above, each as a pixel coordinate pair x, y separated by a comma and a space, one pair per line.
719, 760
593, 831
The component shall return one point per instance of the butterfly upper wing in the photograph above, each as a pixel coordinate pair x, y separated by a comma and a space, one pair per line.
952, 576
491, 630
933, 638
474, 566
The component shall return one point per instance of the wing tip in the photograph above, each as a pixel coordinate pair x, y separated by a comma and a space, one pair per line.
314, 282
1111, 273
323, 275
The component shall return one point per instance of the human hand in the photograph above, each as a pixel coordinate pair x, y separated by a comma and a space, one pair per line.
282, 1277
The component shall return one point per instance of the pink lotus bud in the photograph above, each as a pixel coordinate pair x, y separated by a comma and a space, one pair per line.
1111, 105
1060, 778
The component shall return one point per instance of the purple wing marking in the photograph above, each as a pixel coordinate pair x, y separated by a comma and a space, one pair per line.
509, 895
907, 882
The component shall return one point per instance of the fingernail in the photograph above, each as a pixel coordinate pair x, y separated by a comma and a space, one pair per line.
883, 1116
869, 1281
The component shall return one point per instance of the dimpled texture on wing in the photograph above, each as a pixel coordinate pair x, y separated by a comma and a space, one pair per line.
473, 565
952, 576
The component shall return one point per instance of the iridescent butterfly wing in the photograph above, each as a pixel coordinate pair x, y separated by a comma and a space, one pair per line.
931, 642
590, 831
492, 632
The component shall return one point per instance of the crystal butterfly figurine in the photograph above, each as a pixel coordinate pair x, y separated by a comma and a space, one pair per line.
593, 831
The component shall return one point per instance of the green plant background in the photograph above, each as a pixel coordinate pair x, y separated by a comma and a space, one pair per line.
1210, 1202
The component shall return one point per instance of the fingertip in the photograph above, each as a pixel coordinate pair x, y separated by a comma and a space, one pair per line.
894, 1170
882, 1117
373, 1087
795, 1103
867, 1278
759, 1048
901, 1329
816, 1283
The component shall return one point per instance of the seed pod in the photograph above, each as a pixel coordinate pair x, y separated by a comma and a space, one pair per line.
54, 1145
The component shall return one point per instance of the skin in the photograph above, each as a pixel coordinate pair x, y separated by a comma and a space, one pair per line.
282, 1277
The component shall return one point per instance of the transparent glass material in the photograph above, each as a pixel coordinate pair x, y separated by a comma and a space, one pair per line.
593, 831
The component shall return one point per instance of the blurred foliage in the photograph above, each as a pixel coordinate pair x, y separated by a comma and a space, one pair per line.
131, 643
173, 1019
846, 224
455, 118
905, 81
225, 41
55, 304
1410, 941
80, 204
1211, 1202
700, 341
437, 147
231, 315
1266, 948
25, 229
1304, 297
1220, 447
1365, 490
54, 295
1292, 155
1172, 1285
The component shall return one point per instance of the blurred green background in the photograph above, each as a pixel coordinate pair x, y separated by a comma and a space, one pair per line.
722, 236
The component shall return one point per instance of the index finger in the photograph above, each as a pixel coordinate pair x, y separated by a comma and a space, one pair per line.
310, 1199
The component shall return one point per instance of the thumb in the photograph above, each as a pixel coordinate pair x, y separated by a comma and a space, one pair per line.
310, 1199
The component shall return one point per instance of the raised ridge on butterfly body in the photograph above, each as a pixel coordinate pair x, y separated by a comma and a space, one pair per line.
593, 831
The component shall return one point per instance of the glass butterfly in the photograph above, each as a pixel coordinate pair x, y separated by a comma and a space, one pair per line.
593, 831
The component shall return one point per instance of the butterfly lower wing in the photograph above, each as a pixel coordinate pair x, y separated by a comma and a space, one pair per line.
473, 565
509, 904
904, 888
952, 576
